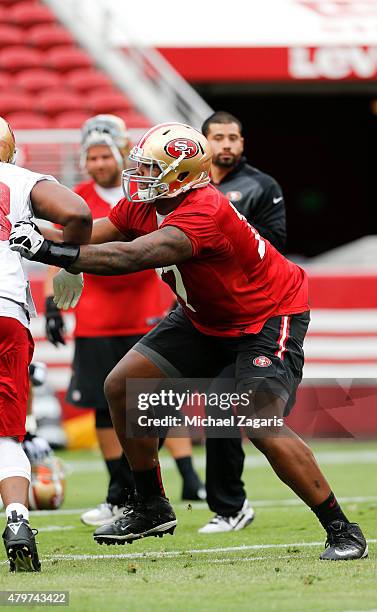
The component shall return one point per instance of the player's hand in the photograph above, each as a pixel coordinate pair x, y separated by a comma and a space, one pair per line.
26, 239
67, 289
54, 323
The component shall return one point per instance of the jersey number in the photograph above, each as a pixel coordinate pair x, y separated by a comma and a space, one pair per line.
258, 238
5, 224
180, 289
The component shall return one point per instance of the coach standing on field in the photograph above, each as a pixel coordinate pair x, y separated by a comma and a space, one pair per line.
259, 198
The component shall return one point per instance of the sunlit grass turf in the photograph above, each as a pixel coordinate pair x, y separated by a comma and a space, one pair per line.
175, 575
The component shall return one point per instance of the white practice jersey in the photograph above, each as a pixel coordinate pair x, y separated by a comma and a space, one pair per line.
15, 186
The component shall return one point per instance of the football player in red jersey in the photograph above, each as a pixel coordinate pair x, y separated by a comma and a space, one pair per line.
240, 301
105, 330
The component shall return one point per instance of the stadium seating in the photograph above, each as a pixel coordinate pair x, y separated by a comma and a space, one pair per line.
108, 102
28, 121
65, 58
135, 120
15, 101
6, 81
28, 14
10, 35
49, 35
9, 3
45, 78
53, 103
87, 80
71, 119
20, 58
37, 80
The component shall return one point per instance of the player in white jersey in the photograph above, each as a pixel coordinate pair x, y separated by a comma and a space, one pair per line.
23, 194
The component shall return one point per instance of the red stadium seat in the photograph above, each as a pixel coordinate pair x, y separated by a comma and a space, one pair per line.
36, 80
108, 102
10, 35
47, 36
28, 121
71, 120
135, 120
87, 80
4, 15
8, 3
58, 102
20, 58
28, 14
67, 58
6, 81
12, 102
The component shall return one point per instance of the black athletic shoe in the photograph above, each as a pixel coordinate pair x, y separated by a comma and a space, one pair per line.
20, 545
345, 542
150, 517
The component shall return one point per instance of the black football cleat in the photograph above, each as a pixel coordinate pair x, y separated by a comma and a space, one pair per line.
20, 545
150, 517
345, 542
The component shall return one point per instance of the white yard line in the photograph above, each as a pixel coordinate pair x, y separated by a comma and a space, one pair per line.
57, 528
345, 457
258, 503
195, 551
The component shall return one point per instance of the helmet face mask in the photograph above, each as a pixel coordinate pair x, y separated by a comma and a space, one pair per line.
8, 149
108, 130
171, 159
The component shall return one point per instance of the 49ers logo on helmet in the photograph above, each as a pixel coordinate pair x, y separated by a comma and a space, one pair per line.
176, 147
262, 361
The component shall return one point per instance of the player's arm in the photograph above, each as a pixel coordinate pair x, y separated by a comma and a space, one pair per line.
164, 247
103, 231
58, 204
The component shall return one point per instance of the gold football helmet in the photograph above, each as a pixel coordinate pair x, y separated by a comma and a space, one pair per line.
47, 486
7, 143
107, 130
178, 157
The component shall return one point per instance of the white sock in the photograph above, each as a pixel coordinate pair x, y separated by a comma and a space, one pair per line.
19, 508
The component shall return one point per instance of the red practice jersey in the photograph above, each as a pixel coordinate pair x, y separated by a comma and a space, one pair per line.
116, 305
235, 280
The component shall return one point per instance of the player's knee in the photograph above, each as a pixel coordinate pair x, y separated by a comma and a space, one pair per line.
114, 388
13, 459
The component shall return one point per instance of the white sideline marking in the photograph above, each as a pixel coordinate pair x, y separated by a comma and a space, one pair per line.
56, 528
258, 503
251, 461
194, 551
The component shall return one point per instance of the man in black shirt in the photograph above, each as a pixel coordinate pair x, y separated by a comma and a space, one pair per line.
259, 198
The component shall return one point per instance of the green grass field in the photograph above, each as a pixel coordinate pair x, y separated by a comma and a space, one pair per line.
271, 565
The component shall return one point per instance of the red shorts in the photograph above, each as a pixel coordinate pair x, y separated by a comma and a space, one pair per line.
16, 352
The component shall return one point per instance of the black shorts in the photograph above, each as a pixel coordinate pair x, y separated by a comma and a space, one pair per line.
93, 360
273, 357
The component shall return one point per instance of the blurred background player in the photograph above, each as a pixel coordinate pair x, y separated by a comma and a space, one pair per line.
260, 199
22, 194
113, 314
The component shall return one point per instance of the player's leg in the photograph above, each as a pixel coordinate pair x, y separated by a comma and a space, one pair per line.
271, 367
226, 495
16, 348
174, 348
93, 359
180, 449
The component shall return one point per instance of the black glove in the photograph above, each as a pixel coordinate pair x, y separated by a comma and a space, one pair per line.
54, 323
